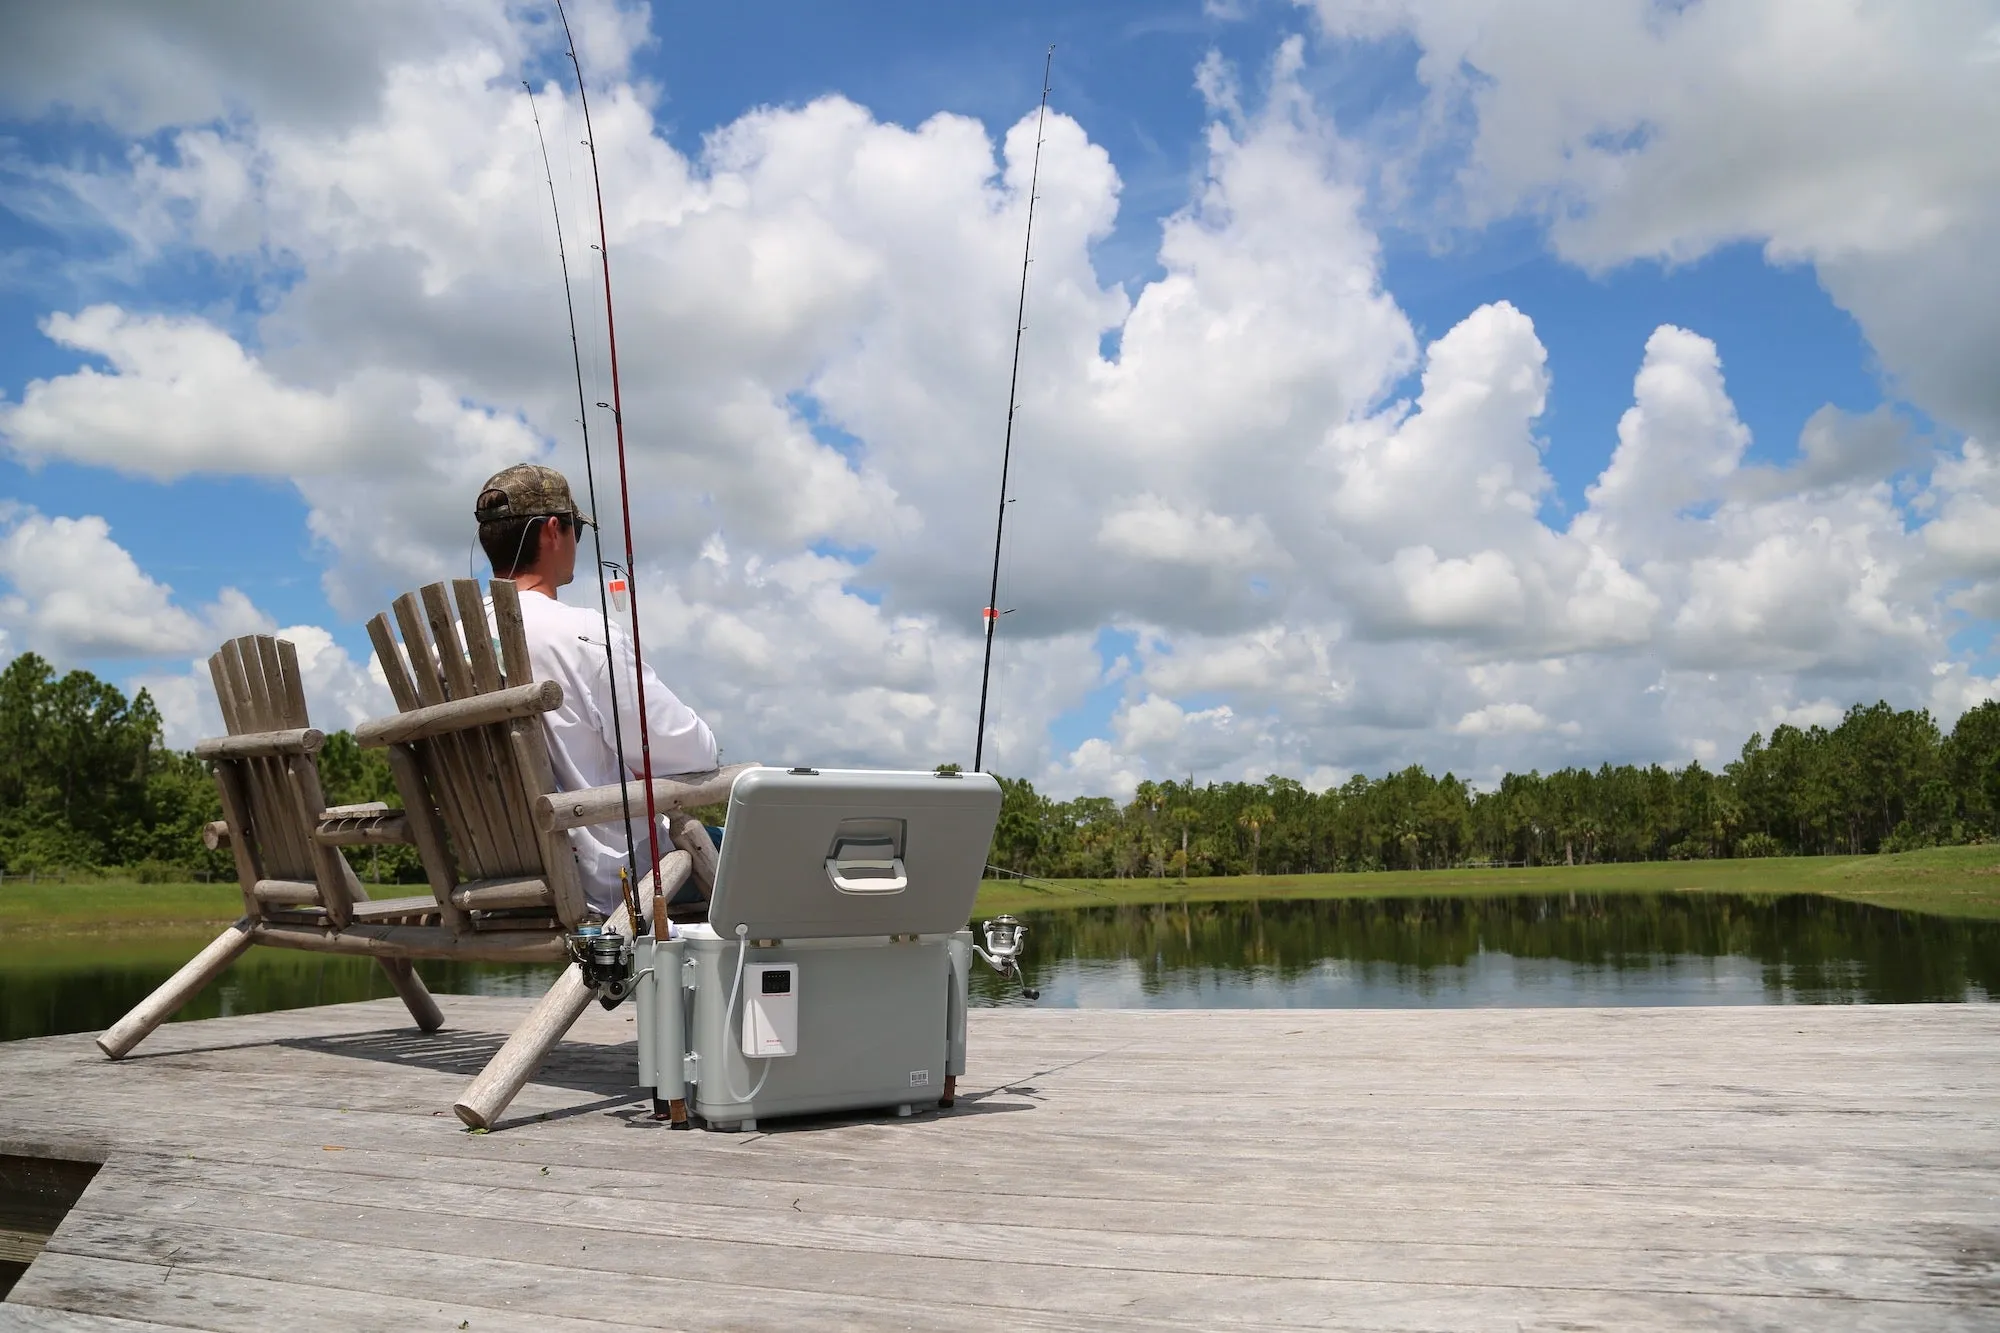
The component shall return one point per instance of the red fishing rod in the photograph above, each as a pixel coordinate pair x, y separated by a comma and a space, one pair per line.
617, 406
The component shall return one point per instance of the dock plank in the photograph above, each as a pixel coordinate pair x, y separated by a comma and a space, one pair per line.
1758, 1168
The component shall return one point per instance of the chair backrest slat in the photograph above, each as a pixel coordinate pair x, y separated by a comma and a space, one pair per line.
423, 666
506, 812
428, 832
443, 762
478, 646
289, 776
386, 653
273, 672
231, 656
257, 694
295, 686
225, 698
237, 663
513, 633
531, 755
444, 638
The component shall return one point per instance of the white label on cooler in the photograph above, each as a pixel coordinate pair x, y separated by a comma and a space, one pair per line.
770, 1010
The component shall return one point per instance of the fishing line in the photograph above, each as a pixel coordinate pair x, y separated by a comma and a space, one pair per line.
993, 612
596, 534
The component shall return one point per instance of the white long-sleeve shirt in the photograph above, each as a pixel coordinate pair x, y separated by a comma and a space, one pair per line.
566, 645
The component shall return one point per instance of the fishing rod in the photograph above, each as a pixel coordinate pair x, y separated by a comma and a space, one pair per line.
590, 483
993, 613
617, 406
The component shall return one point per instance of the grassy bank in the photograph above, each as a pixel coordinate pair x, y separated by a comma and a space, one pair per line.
111, 905
1948, 881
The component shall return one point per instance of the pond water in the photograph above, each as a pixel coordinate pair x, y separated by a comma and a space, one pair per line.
1582, 949
1529, 951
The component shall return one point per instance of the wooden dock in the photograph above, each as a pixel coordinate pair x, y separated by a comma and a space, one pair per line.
1809, 1168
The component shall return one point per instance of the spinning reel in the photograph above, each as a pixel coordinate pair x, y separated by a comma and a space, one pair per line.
1005, 938
605, 959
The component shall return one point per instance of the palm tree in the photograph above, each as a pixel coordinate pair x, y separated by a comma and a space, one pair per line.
1146, 800
1185, 816
1254, 817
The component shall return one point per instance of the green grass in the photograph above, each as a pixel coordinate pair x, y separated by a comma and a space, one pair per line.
112, 905
1947, 881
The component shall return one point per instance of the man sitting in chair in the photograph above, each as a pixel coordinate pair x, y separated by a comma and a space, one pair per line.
529, 525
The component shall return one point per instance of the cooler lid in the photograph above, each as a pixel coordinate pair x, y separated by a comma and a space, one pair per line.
829, 852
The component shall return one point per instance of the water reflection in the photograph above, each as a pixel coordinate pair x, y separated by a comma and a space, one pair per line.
84, 984
1620, 949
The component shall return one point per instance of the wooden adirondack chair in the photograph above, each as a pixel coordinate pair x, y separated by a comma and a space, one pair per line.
471, 762
272, 805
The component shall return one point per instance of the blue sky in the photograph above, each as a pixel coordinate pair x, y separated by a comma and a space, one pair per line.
1125, 72
1480, 227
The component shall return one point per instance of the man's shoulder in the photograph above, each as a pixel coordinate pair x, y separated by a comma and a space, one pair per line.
556, 622
539, 608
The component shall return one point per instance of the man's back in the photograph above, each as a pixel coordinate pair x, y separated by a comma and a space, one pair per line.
566, 644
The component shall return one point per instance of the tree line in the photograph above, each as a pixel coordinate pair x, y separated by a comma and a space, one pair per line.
1882, 780
86, 784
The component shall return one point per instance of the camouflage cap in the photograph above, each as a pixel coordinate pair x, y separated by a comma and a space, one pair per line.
526, 490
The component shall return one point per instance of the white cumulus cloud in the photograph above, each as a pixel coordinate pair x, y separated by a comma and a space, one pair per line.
816, 310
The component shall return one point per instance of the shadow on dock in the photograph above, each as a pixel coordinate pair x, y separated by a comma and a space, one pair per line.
599, 1069
589, 1067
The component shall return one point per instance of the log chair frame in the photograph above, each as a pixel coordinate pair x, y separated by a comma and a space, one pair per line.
471, 764
267, 775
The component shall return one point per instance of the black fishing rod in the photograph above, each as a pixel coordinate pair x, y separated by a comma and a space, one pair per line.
617, 406
590, 483
993, 612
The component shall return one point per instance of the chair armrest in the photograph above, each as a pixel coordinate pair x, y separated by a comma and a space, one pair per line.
605, 805
262, 744
459, 715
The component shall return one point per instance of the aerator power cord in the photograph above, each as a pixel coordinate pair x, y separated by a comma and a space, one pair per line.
729, 1021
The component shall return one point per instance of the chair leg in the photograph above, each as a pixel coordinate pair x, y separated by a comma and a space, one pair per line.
512, 1065
175, 992
553, 1015
416, 997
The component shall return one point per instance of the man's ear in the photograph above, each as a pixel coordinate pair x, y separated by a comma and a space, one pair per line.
546, 537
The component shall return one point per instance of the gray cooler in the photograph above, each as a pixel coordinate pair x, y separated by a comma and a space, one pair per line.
846, 893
